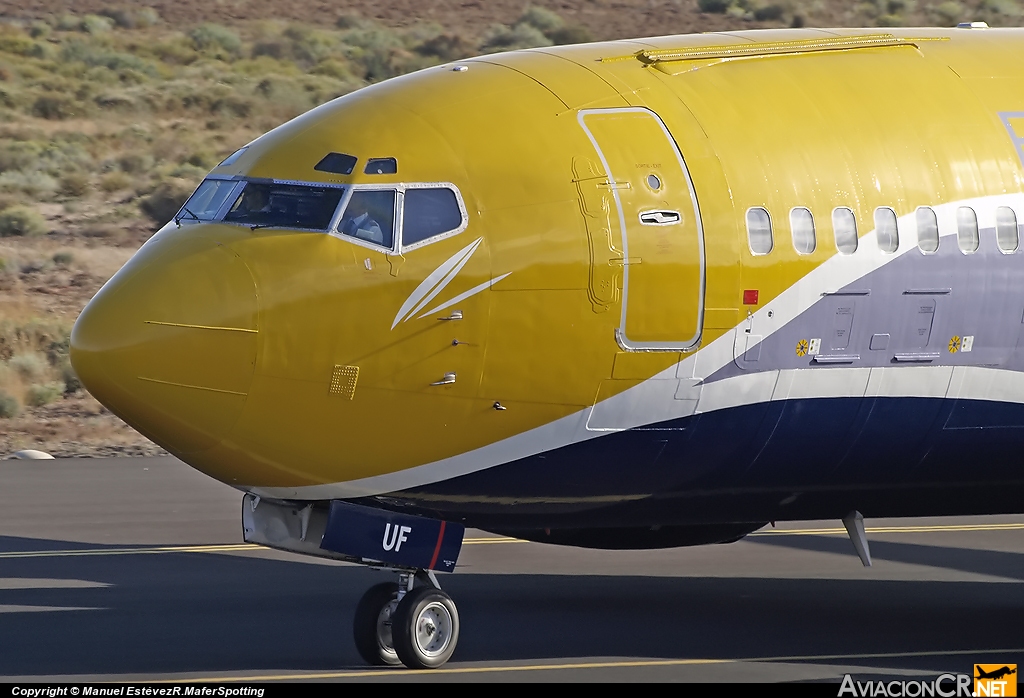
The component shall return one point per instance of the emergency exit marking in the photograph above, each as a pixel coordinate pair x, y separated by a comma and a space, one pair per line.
750, 296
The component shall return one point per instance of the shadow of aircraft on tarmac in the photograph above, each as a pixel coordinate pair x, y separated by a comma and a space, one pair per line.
202, 612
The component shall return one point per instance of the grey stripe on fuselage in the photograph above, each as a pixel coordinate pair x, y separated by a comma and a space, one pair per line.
979, 295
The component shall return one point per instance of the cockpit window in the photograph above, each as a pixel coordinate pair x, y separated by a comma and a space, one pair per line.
370, 216
429, 212
208, 200
381, 166
337, 163
269, 204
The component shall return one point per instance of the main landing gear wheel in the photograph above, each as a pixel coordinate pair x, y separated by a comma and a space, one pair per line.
425, 628
373, 625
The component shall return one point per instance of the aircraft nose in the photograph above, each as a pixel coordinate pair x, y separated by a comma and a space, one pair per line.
169, 343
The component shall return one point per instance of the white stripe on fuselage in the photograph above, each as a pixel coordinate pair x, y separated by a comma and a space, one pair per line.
655, 400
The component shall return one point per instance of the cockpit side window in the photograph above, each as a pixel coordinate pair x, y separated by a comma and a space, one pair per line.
207, 201
370, 216
276, 205
429, 212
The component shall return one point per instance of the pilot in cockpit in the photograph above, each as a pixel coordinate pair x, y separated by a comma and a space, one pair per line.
255, 199
358, 223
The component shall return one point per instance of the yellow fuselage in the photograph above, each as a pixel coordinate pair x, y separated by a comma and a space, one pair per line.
278, 360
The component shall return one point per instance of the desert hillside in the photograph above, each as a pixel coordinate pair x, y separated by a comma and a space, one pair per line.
111, 113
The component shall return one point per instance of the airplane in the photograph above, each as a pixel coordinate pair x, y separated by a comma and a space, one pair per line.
996, 673
624, 295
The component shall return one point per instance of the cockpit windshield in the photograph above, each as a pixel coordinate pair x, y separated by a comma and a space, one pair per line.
270, 204
206, 203
367, 214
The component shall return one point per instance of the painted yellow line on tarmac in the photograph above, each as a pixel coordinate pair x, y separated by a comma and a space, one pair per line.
889, 529
216, 548
624, 664
132, 551
496, 539
490, 540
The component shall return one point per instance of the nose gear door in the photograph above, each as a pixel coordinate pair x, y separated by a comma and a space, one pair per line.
661, 235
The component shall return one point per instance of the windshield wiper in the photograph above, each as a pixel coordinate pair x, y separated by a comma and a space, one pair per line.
177, 219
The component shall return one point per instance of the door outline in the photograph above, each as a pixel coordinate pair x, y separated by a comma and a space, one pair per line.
620, 332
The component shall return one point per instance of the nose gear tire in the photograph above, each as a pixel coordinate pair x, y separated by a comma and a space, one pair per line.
372, 625
425, 628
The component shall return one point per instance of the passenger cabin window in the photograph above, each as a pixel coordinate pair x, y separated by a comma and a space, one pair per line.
967, 229
759, 231
429, 212
370, 216
885, 229
274, 205
927, 230
802, 224
208, 200
1006, 229
844, 224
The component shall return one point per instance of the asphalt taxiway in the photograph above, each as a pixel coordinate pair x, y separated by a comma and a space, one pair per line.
134, 569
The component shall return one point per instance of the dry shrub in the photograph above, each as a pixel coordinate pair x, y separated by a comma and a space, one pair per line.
504, 38
30, 367
166, 200
18, 155
332, 68
134, 163
21, 221
714, 6
9, 406
44, 393
74, 184
36, 185
122, 17
540, 18
215, 38
447, 47
103, 231
35, 336
95, 24
64, 258
573, 34
54, 107
115, 181
202, 159
950, 12
72, 384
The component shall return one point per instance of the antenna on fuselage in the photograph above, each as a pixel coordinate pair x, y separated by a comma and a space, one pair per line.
854, 522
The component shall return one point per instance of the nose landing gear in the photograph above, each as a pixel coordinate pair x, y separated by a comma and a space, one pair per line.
417, 626
412, 622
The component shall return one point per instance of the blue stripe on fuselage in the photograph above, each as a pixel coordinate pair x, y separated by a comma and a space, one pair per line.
806, 445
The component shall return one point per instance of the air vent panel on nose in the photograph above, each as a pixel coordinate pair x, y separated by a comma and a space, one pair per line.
343, 381
337, 163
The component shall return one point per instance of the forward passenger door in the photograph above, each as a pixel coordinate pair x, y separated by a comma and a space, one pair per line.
660, 229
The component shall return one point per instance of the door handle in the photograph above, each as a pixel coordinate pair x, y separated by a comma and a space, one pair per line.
660, 217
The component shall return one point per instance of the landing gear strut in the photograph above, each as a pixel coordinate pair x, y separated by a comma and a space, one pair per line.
417, 626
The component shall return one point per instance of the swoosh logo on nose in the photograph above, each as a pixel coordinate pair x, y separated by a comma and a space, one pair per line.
435, 283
